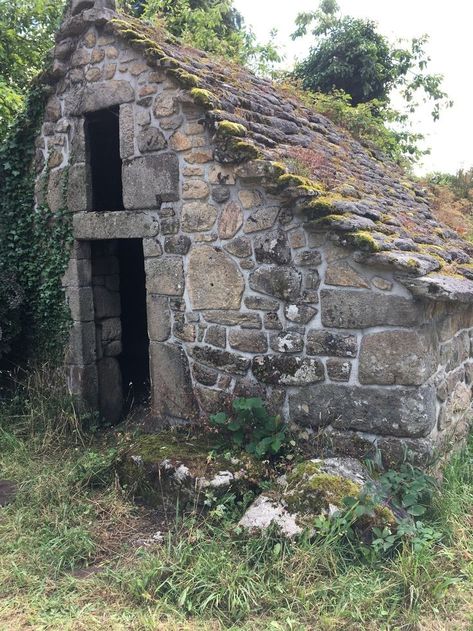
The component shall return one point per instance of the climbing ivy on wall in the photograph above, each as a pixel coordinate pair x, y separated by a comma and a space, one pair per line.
34, 248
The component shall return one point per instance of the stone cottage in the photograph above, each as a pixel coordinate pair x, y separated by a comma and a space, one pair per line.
231, 242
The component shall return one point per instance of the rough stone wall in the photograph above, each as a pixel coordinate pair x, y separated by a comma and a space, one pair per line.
244, 298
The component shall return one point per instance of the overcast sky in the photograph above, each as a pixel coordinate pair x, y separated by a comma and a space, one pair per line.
450, 27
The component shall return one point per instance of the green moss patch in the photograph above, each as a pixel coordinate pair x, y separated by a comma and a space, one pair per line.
185, 78
177, 467
363, 240
205, 98
227, 128
310, 491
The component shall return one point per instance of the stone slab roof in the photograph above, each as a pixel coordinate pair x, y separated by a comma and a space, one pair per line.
354, 191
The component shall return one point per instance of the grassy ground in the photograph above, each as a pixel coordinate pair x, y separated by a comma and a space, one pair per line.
75, 553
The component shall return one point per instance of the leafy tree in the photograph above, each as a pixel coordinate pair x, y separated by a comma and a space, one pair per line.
26, 34
211, 25
350, 55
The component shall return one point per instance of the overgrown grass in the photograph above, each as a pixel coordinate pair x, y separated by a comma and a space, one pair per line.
70, 515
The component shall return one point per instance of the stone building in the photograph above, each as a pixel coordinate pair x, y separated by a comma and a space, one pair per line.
231, 242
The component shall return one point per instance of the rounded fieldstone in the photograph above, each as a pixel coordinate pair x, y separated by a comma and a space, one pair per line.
287, 342
396, 358
230, 221
220, 194
151, 139
281, 282
177, 244
239, 247
272, 247
198, 216
299, 313
327, 343
248, 340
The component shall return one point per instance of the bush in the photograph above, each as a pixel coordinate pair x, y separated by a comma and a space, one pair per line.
252, 428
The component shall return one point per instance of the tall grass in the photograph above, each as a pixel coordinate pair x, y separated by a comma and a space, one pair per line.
37, 403
70, 515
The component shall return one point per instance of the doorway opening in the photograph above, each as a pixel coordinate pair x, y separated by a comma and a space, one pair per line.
134, 360
122, 343
102, 132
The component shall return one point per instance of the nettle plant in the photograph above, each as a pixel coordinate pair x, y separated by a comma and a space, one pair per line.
409, 489
408, 492
252, 428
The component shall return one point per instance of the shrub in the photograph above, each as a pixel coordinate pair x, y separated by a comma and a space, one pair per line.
252, 428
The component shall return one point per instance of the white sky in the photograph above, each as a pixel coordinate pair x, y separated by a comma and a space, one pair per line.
450, 27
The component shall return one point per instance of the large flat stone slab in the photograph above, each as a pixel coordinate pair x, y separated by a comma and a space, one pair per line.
397, 358
409, 412
214, 280
115, 225
171, 381
98, 96
350, 309
150, 180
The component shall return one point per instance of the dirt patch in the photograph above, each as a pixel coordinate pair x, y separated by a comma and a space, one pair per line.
8, 490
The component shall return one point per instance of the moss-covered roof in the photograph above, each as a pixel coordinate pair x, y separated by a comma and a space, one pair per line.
353, 190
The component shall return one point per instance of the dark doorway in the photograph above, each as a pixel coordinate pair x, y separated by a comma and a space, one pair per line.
102, 130
134, 360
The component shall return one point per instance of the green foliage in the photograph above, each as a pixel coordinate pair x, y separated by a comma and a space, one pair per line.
350, 55
416, 533
34, 244
11, 298
252, 428
409, 492
408, 489
460, 183
206, 573
211, 25
27, 28
95, 469
356, 66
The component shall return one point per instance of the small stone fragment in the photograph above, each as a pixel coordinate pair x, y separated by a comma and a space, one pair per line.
287, 342
230, 221
248, 341
338, 369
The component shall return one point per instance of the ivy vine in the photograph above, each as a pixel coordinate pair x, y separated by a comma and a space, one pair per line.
34, 248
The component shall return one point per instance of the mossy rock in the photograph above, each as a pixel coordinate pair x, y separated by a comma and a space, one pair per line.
227, 128
312, 491
314, 488
235, 150
205, 98
185, 78
176, 468
320, 207
363, 240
